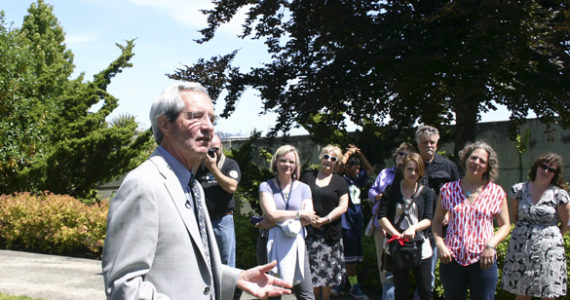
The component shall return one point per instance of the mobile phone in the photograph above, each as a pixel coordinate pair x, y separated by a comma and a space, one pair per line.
256, 219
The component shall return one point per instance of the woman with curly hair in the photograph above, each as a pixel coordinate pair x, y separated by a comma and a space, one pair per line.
535, 264
467, 255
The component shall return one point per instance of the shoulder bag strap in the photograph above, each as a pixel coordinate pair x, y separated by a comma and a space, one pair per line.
407, 209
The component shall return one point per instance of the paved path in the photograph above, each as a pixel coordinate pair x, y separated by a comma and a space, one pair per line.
50, 277
53, 277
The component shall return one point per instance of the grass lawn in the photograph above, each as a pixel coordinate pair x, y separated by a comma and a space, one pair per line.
8, 297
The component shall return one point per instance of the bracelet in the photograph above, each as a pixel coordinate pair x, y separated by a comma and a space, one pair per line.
329, 217
490, 246
298, 215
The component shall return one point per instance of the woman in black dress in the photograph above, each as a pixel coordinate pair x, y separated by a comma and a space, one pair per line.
330, 201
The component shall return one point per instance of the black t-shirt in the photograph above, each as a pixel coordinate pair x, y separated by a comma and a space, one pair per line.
219, 202
325, 199
440, 171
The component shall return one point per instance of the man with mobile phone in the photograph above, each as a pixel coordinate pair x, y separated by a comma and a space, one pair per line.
219, 176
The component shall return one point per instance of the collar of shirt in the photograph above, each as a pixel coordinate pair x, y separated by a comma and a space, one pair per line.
181, 172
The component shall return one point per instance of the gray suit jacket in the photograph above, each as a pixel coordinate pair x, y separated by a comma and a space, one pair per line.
153, 248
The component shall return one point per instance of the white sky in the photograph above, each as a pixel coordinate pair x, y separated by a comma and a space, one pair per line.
164, 32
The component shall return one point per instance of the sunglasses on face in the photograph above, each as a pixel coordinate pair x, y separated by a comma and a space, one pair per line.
547, 168
330, 157
402, 153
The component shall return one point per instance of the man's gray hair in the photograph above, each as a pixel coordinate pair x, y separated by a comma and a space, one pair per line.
426, 130
170, 104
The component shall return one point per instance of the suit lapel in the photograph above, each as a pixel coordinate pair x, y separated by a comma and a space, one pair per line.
178, 197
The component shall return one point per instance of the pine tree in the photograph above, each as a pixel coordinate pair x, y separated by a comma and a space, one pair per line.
74, 148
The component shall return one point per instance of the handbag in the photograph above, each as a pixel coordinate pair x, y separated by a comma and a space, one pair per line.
406, 254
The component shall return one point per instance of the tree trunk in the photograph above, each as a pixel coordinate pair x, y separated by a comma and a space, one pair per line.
466, 116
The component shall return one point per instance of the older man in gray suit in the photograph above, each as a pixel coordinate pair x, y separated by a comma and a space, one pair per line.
160, 243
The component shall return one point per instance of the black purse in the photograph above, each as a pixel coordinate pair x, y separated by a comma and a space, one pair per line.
406, 254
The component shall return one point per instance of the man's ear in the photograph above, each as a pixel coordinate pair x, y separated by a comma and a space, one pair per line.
163, 124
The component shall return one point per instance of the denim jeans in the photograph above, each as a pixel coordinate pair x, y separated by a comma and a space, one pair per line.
457, 279
226, 239
388, 289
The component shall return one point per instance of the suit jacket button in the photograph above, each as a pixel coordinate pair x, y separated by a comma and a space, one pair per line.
207, 290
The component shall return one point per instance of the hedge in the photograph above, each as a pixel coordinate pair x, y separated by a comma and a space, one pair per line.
52, 224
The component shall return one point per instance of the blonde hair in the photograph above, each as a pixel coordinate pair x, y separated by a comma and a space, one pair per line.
331, 148
282, 151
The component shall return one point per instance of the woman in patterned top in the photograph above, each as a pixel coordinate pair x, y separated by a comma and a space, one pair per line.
467, 255
535, 264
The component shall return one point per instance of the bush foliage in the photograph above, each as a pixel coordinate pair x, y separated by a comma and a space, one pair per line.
52, 224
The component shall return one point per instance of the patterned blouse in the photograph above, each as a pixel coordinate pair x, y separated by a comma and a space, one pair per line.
470, 225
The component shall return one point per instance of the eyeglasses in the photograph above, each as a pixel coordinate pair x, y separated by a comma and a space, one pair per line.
330, 157
200, 116
402, 153
547, 168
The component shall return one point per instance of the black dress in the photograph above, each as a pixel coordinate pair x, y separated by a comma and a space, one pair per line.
325, 244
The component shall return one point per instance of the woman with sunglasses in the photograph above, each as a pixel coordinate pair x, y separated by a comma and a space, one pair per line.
287, 207
330, 200
535, 264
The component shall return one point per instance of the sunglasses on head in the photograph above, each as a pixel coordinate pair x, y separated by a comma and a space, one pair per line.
330, 157
547, 168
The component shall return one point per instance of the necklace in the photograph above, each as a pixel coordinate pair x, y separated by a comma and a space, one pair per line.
471, 192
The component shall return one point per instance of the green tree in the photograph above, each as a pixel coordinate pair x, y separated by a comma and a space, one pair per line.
71, 148
398, 62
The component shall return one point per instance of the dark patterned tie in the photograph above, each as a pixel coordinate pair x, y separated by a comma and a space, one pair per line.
201, 217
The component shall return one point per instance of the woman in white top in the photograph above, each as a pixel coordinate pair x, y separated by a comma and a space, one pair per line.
287, 204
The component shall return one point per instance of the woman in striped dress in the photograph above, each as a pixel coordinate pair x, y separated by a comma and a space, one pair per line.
468, 259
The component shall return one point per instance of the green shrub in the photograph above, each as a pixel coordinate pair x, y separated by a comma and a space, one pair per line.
246, 240
52, 224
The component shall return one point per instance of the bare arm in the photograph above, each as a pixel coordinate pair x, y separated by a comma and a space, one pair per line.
366, 164
504, 225
275, 215
411, 231
443, 252
563, 213
307, 206
336, 213
489, 253
514, 209
389, 227
227, 183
